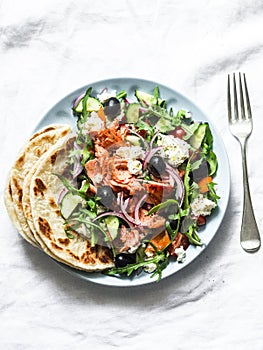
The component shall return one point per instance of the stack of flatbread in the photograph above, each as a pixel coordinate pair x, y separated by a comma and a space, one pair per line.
31, 202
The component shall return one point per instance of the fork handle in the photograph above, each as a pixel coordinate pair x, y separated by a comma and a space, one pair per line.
249, 236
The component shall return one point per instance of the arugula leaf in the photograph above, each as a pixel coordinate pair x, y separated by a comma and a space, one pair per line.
163, 205
121, 94
212, 193
156, 95
71, 188
141, 125
193, 236
212, 161
161, 261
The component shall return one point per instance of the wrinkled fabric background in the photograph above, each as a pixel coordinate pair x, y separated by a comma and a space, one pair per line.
50, 48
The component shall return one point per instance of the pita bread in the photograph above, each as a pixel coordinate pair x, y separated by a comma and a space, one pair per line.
34, 148
48, 222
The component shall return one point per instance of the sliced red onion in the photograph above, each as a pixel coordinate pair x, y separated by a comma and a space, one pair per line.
180, 191
150, 154
76, 102
153, 139
141, 138
126, 203
124, 212
171, 180
113, 213
137, 208
77, 169
104, 91
62, 194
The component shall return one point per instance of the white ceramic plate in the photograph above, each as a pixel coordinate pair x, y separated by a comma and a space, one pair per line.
62, 113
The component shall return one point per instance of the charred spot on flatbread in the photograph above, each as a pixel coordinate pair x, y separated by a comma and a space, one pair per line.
53, 158
72, 254
64, 241
20, 161
50, 128
55, 246
39, 187
19, 191
44, 227
52, 202
106, 256
97, 253
10, 189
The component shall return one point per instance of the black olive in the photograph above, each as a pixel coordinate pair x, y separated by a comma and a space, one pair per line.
156, 166
112, 107
123, 259
106, 195
174, 224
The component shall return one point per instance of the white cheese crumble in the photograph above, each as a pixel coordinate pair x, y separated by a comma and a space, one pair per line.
202, 206
134, 166
175, 150
93, 123
180, 252
150, 267
188, 114
132, 152
105, 95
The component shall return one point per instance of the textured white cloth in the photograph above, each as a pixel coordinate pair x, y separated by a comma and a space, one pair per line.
50, 48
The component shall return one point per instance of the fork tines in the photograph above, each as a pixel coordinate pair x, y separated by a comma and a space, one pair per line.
241, 99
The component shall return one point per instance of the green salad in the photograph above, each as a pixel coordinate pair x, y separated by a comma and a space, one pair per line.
141, 179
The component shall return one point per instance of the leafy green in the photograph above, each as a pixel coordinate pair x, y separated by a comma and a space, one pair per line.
71, 188
160, 260
212, 192
212, 161
162, 205
121, 94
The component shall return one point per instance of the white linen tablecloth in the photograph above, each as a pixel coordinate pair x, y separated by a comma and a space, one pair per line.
50, 48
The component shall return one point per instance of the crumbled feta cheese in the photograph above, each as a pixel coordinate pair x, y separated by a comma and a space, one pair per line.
180, 252
175, 150
93, 123
187, 114
132, 152
202, 206
150, 267
105, 95
134, 166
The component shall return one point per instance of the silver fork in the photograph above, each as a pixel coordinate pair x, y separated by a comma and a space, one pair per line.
240, 125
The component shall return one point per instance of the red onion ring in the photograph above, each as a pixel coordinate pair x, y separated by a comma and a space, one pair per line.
76, 102
137, 207
180, 191
113, 213
153, 138
62, 194
150, 154
124, 212
141, 138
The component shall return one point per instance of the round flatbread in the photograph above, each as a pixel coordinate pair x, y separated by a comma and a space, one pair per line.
48, 222
32, 151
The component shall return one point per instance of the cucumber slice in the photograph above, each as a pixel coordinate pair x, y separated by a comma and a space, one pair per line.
92, 104
146, 99
112, 223
69, 204
132, 113
198, 136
